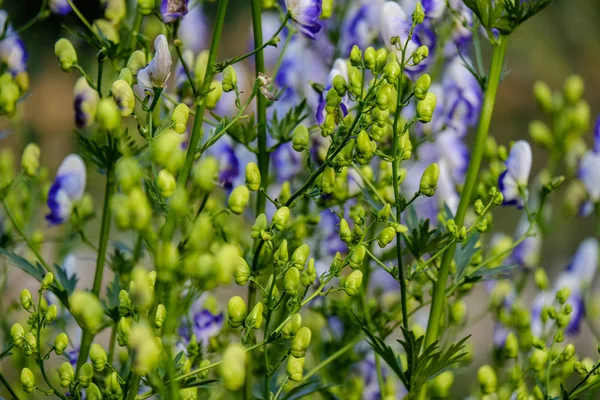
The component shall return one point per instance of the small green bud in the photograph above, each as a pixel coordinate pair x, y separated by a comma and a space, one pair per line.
568, 352
301, 342
580, 368
543, 95
137, 60
123, 96
291, 281
357, 257
126, 75
260, 225
66, 374
233, 368
355, 56
328, 180
281, 218
108, 115
309, 274
326, 9
85, 375
26, 299
98, 357
541, 134
255, 318
538, 360
113, 387
124, 331
141, 289
200, 66
27, 380
205, 173
422, 86
426, 107
281, 256
573, 89
511, 346
87, 309
439, 387
29, 344
563, 295
242, 272
253, 178
384, 213
128, 173
125, 306
161, 315
30, 161
418, 15
300, 256
486, 376
146, 349
237, 311
93, 392
60, 343
386, 236
50, 314
391, 72
353, 282
66, 54
17, 333
229, 79
238, 199
146, 6
458, 312
384, 95
370, 58
204, 363
339, 85
166, 183
179, 118
428, 184
213, 97
345, 231
291, 327
479, 207
380, 59
300, 138
47, 281
541, 279
295, 368
420, 54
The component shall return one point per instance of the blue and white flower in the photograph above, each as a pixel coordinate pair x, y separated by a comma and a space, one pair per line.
85, 102
204, 324
156, 73
585, 262
513, 182
12, 48
463, 97
361, 25
340, 67
67, 189
60, 7
527, 253
589, 174
172, 10
305, 15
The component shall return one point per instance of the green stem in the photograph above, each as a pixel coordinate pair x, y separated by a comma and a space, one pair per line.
84, 20
8, 387
329, 359
100, 68
136, 28
439, 291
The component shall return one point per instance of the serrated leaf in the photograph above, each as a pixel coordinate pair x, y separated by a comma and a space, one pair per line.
112, 295
68, 283
464, 253
488, 273
281, 129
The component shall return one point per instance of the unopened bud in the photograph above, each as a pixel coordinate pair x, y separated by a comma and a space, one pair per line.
85, 375
255, 318
47, 281
237, 311
486, 376
300, 138
291, 327
123, 96
87, 309
386, 236
166, 183
291, 281
30, 162
422, 86
353, 282
66, 54
295, 368
428, 184
179, 118
26, 299
281, 218
233, 368
108, 115
301, 342
253, 178
229, 79
66, 374
426, 107
27, 380
60, 343
238, 199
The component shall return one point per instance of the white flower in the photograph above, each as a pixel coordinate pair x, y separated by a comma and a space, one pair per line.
518, 167
68, 188
589, 174
156, 73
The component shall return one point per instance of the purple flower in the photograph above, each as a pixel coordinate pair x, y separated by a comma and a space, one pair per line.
305, 15
60, 7
14, 54
462, 97
513, 181
340, 67
589, 174
205, 324
361, 25
67, 188
172, 10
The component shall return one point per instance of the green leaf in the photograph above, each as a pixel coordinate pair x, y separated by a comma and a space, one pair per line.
489, 273
464, 253
68, 283
6, 350
281, 129
312, 386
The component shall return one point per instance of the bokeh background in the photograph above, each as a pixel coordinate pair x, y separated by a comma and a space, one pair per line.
563, 40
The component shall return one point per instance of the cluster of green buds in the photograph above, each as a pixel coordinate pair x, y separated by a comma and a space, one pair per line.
12, 88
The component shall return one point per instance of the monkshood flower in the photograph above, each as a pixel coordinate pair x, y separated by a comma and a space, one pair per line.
585, 262
12, 48
361, 25
66, 190
85, 102
462, 96
449, 148
589, 174
232, 159
204, 323
156, 73
193, 30
305, 15
513, 182
60, 7
172, 10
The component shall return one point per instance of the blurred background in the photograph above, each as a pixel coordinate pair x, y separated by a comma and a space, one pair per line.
563, 40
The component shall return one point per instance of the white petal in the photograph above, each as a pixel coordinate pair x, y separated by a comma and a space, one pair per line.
589, 173
393, 19
519, 162
74, 167
585, 262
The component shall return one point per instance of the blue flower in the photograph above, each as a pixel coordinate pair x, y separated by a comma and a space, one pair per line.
462, 97
585, 261
85, 102
340, 67
287, 163
305, 15
361, 26
589, 174
14, 54
68, 188
60, 7
513, 181
193, 29
172, 10
204, 323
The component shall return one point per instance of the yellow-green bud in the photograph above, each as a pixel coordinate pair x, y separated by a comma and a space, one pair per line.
386, 236
30, 161
26, 299
543, 95
29, 344
353, 282
85, 375
205, 173
370, 58
124, 331
17, 334
418, 15
66, 54
188, 394
237, 311
291, 281
50, 314
126, 75
486, 376
60, 343
98, 357
252, 176
357, 257
309, 274
345, 231
573, 89
541, 279
166, 183
233, 368
295, 368
384, 94
146, 6
204, 363
22, 81
179, 118
568, 352
9, 95
428, 184
380, 58
200, 65
47, 281
255, 318
27, 380
66, 374
93, 392
238, 199
137, 60
242, 272
300, 256
281, 218
538, 360
364, 145
541, 134
301, 342
300, 138
123, 96
281, 256
146, 348
108, 115
420, 54
511, 346
87, 309
128, 173
355, 56
339, 85
229, 79
328, 180
391, 72
563, 295
422, 86
226, 259
213, 97
458, 312
141, 289
291, 327
439, 387
161, 315
426, 107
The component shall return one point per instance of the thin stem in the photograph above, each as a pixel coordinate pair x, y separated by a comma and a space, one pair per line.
439, 291
100, 68
8, 387
40, 360
329, 359
84, 20
136, 28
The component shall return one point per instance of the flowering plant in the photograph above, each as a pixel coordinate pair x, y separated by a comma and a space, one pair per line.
314, 228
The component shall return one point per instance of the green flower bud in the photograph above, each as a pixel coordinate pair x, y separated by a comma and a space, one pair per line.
428, 184
47, 281
188, 394
580, 116
355, 56
252, 176
328, 180
242, 272
200, 66
384, 213
179, 118
113, 387
339, 85
418, 15
380, 59
281, 256
345, 232
386, 236
123, 96
260, 225
29, 344
137, 60
327, 7
30, 161
541, 279
124, 331
511, 346
17, 334
291, 327
300, 138
237, 311
66, 54
291, 281
9, 95
106, 29
538, 360
439, 387
420, 54
126, 75
391, 72
50, 314
458, 312
108, 115
27, 380
364, 145
26, 299
66, 374
543, 95
301, 342
60, 343
233, 368
426, 107
353, 282
344, 157
93, 392
384, 94
167, 152
280, 218
573, 89
87, 310
204, 363
146, 347
166, 183
141, 289
226, 259
357, 257
568, 352
422, 86
229, 79
563, 295
295, 368
486, 376
98, 357
128, 173
238, 199
370, 58
300, 256
125, 306
213, 97
309, 275
255, 318
85, 375
205, 173
541, 134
